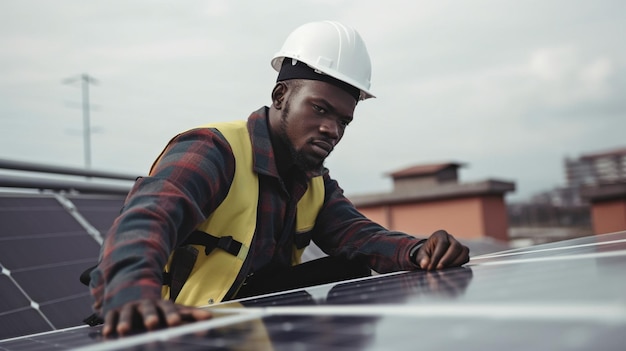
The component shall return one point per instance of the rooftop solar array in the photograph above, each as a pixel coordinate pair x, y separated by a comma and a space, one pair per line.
569, 295
46, 241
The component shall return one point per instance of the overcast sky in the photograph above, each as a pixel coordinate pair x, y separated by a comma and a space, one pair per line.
510, 88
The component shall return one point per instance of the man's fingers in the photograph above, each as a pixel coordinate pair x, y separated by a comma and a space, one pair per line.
442, 250
110, 323
170, 312
190, 314
148, 314
454, 253
438, 251
424, 261
125, 321
462, 258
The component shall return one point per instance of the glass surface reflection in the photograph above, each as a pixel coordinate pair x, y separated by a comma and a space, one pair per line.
287, 331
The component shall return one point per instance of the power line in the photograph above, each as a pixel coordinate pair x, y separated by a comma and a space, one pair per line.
85, 81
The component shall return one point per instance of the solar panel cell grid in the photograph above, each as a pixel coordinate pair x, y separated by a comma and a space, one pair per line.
43, 250
51, 249
99, 212
68, 312
12, 297
31, 216
53, 283
20, 321
68, 339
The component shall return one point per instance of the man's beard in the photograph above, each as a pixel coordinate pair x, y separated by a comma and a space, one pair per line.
300, 158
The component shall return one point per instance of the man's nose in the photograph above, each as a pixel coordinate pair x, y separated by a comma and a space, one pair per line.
330, 128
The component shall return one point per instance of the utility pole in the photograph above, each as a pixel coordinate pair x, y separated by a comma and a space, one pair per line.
85, 81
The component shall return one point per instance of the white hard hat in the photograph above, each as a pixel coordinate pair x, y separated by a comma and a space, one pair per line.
333, 49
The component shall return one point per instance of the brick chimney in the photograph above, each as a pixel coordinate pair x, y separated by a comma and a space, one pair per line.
425, 176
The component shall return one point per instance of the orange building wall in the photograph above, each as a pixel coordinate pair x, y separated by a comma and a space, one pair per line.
469, 218
495, 218
459, 217
608, 216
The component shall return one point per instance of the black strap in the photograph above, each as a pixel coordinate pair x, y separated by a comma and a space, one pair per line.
85, 276
210, 242
183, 260
183, 265
93, 320
167, 278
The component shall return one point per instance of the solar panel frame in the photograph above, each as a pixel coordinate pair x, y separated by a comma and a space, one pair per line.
99, 210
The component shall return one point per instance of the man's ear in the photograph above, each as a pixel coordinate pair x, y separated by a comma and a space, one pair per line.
279, 94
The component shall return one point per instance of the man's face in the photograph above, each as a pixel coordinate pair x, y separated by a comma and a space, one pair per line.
313, 121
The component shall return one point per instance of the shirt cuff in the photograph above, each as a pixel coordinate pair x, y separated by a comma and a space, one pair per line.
414, 249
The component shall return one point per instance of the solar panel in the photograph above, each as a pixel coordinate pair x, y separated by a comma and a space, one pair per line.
46, 241
559, 296
99, 210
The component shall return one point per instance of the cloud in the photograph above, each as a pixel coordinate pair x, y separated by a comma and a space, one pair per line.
162, 50
508, 87
565, 78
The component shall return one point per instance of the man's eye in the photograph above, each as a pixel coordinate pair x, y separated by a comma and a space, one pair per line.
319, 108
345, 122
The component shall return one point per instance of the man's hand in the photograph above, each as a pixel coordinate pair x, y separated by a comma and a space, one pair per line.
441, 250
149, 315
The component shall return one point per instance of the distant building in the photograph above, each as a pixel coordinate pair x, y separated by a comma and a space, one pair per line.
601, 179
608, 206
591, 169
596, 168
594, 196
429, 197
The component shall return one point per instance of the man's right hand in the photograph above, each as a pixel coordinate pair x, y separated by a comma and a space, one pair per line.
441, 250
149, 314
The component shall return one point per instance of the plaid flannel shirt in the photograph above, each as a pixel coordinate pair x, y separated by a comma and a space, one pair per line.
191, 180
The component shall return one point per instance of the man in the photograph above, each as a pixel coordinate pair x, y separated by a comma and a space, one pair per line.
228, 208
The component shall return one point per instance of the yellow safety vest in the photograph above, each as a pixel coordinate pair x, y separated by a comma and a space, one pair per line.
213, 275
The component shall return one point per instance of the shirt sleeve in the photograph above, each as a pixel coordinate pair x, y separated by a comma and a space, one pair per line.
341, 230
191, 178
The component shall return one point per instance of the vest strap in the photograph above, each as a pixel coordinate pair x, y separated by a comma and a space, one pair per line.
183, 260
210, 242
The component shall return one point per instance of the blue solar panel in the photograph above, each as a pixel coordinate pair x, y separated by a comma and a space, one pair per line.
560, 296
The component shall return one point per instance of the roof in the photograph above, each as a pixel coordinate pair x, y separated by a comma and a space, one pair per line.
605, 153
447, 191
604, 192
424, 169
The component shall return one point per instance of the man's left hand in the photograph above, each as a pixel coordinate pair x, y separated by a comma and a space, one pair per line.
441, 250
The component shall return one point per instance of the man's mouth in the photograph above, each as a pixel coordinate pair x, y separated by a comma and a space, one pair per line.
322, 148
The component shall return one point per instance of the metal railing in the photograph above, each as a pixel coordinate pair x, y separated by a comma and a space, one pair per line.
94, 181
